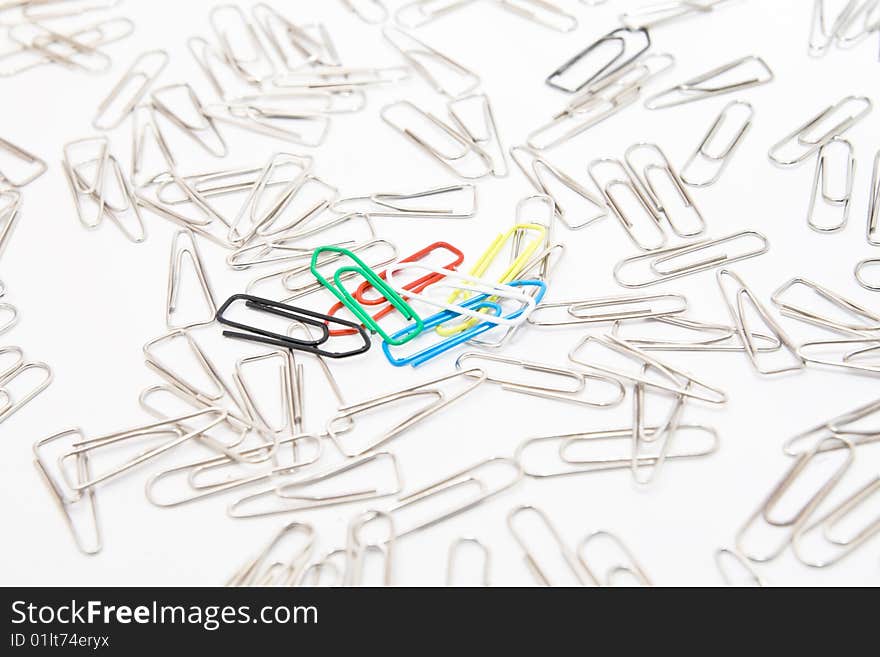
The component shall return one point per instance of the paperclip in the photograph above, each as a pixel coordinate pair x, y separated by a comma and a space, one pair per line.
341, 78
421, 57
665, 256
664, 434
793, 524
357, 548
64, 501
727, 554
254, 67
680, 382
12, 313
820, 193
10, 207
387, 290
462, 479
460, 161
578, 313
718, 336
254, 573
541, 12
873, 234
560, 446
737, 316
177, 255
869, 321
373, 12
719, 161
531, 560
843, 425
617, 61
625, 181
421, 12
312, 575
64, 49
862, 279
19, 153
600, 101
659, 164
703, 87
438, 401
194, 130
842, 547
11, 404
485, 133
307, 317
541, 169
856, 350
666, 11
417, 285
396, 205
571, 393
295, 494
264, 121
279, 31
35, 11
141, 70
455, 548
630, 567
807, 147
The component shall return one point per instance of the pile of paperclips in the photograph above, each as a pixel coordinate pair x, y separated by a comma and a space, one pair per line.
304, 239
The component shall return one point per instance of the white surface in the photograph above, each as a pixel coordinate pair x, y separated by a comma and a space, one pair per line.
90, 300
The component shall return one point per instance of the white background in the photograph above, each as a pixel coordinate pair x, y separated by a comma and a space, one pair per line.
90, 300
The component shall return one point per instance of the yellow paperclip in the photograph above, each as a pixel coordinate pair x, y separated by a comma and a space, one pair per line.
486, 261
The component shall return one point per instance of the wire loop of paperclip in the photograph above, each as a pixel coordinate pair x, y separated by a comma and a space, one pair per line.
717, 160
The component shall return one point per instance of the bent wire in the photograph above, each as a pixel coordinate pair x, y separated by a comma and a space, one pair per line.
621, 57
387, 290
716, 161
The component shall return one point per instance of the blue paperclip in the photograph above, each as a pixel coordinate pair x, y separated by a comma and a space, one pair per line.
480, 302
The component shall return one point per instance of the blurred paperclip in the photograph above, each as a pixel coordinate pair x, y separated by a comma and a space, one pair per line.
868, 321
541, 12
421, 12
862, 277
667, 11
373, 12
144, 71
709, 85
36, 167
534, 561
740, 563
800, 145
10, 211
629, 45
231, 26
822, 197
609, 309
715, 162
342, 78
454, 550
435, 67
874, 204
262, 571
855, 425
410, 205
628, 565
16, 376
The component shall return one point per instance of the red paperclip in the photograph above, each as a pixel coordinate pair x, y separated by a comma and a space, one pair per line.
417, 285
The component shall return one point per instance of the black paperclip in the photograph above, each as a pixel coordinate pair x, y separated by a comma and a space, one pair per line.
302, 315
615, 64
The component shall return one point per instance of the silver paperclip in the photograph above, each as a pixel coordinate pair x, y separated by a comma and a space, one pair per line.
625, 45
358, 548
717, 337
144, 71
259, 572
846, 425
736, 306
455, 548
12, 402
741, 563
666, 11
790, 526
627, 566
37, 166
373, 12
434, 66
10, 211
801, 145
178, 253
297, 127
484, 133
856, 352
868, 321
658, 273
862, 278
572, 393
874, 204
610, 309
664, 435
541, 12
533, 561
254, 65
822, 196
340, 78
706, 156
708, 85
407, 205
421, 12
201, 130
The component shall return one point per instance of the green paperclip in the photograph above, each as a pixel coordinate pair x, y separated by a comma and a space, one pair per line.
345, 297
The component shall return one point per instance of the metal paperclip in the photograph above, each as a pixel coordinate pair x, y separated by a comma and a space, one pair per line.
281, 32
459, 155
357, 548
313, 574
853, 358
805, 147
12, 313
294, 495
341, 78
438, 400
254, 572
474, 476
253, 67
844, 425
65, 49
65, 501
630, 566
577, 313
703, 86
679, 381
10, 211
198, 131
666, 11
264, 121
862, 279
820, 193
422, 57
869, 321
796, 521
724, 555
737, 315
373, 12
36, 11
142, 70
12, 403
421, 12
571, 393
532, 561
455, 548
874, 204
541, 12
618, 60
485, 133
19, 153
178, 252
624, 180
718, 337
841, 547
718, 161
664, 434
657, 259
397, 205
541, 170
